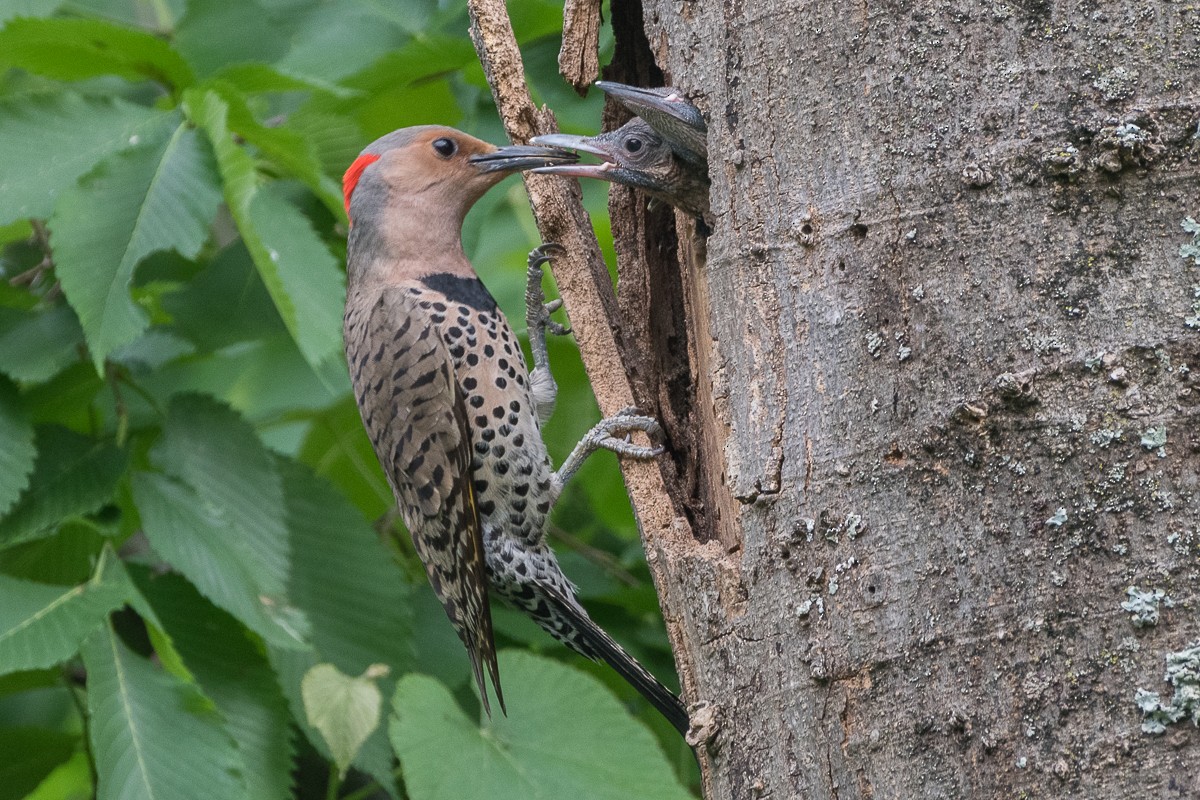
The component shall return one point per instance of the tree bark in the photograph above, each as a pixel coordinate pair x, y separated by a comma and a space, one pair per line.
931, 393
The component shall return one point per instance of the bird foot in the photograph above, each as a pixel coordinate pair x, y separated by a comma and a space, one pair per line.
537, 310
615, 434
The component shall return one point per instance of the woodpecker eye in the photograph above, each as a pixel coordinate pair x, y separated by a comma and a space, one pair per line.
633, 144
445, 147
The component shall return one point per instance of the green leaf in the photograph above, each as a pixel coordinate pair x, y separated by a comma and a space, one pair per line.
214, 33
229, 289
72, 49
357, 32
42, 625
337, 447
565, 736
152, 735
78, 131
158, 197
16, 446
256, 78
70, 780
34, 345
221, 522
344, 709
302, 277
423, 57
30, 754
288, 149
289, 254
73, 475
231, 670
194, 537
353, 594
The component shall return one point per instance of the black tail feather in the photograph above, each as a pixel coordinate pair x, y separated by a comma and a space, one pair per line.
596, 644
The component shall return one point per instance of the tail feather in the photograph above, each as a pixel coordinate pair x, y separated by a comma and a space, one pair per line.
591, 640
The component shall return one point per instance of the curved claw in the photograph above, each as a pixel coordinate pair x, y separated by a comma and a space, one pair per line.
542, 253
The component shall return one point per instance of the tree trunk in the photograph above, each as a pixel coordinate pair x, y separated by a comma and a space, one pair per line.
933, 391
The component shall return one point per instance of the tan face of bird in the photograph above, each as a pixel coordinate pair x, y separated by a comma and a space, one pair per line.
437, 167
407, 193
440, 168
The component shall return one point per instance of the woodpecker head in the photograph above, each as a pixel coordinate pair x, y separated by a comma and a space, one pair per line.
671, 114
635, 155
434, 171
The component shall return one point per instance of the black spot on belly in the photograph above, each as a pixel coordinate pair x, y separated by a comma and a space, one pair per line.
466, 291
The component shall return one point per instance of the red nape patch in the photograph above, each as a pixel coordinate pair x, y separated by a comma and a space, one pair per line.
350, 179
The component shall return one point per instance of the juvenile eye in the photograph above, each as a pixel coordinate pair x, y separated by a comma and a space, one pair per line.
633, 144
445, 147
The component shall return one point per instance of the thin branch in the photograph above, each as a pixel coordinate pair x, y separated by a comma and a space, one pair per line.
585, 286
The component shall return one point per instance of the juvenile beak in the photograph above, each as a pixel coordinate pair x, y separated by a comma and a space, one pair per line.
664, 101
518, 157
581, 144
669, 113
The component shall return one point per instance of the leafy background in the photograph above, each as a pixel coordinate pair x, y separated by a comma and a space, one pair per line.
203, 591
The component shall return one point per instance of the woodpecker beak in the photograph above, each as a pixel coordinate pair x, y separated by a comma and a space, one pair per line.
645, 102
518, 157
582, 144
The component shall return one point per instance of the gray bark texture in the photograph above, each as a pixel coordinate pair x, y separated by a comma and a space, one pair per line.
932, 388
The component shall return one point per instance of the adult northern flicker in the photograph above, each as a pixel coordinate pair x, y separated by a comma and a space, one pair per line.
452, 412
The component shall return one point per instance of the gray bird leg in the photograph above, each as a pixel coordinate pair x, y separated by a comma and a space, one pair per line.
612, 433
537, 320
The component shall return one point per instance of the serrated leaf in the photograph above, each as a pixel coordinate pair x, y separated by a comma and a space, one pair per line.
343, 708
72, 475
42, 625
152, 735
208, 445
72, 49
221, 522
289, 150
78, 131
232, 671
304, 269
354, 595
302, 277
255, 78
35, 345
157, 197
193, 537
565, 736
16, 446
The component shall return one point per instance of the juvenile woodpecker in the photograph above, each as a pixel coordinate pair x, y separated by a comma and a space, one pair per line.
452, 412
671, 114
663, 151
636, 155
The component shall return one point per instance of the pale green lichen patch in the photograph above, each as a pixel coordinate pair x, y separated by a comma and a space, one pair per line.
1154, 438
1059, 518
1183, 673
1118, 83
1143, 605
1192, 249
